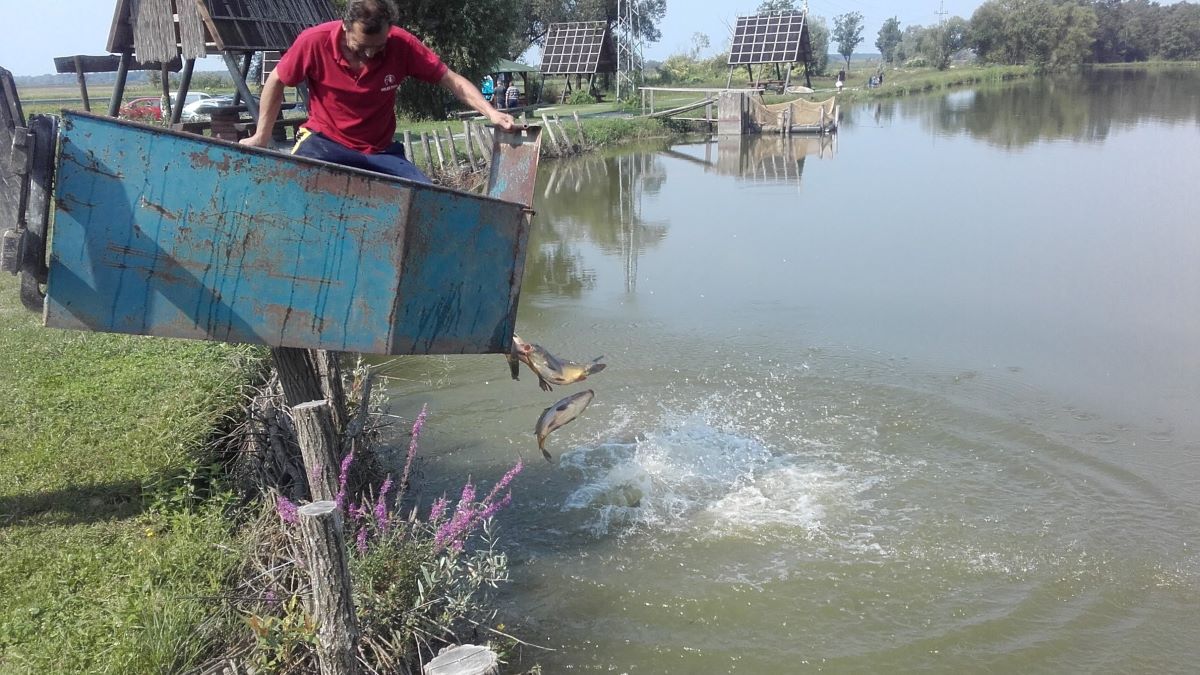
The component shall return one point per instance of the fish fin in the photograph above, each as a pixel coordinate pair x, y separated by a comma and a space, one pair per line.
544, 384
595, 367
547, 455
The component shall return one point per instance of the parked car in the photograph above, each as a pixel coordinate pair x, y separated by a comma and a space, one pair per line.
192, 98
144, 109
191, 111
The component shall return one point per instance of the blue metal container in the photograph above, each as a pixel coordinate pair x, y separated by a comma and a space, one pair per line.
170, 234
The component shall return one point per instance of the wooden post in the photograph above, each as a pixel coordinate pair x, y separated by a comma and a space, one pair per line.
319, 447
311, 375
331, 604
437, 143
579, 128
82, 80
409, 153
470, 145
165, 76
550, 135
428, 151
485, 143
453, 148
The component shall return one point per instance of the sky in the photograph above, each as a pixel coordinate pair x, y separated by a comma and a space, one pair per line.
34, 36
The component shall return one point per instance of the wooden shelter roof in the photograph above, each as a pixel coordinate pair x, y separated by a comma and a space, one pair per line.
160, 30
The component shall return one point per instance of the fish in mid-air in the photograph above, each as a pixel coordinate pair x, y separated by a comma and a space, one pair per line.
559, 415
552, 370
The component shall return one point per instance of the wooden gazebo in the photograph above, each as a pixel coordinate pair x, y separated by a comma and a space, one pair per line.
162, 31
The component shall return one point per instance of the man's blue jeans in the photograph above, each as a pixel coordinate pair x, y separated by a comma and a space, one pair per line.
391, 161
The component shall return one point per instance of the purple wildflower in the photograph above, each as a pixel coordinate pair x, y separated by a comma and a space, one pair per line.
412, 446
270, 598
381, 511
361, 542
286, 510
504, 481
438, 509
341, 493
491, 509
456, 528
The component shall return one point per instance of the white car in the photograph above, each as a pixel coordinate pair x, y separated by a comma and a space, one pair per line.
193, 99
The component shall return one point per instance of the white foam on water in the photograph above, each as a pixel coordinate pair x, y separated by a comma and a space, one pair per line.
701, 474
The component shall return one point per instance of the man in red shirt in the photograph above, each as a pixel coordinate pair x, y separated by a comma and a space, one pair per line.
353, 68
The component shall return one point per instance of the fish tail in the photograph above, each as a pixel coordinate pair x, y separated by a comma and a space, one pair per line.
595, 367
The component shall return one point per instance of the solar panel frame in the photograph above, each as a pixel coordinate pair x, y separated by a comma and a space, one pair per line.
770, 38
577, 47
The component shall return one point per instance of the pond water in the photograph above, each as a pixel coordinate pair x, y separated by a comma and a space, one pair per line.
920, 396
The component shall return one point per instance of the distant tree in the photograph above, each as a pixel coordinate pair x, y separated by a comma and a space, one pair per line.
847, 32
469, 35
1180, 35
946, 40
818, 34
535, 16
889, 39
767, 6
700, 44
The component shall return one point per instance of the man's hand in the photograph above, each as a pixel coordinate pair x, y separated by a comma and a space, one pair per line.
503, 120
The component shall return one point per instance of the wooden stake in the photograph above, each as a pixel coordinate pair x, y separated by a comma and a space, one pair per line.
318, 446
331, 604
470, 145
437, 143
579, 127
428, 151
550, 135
453, 148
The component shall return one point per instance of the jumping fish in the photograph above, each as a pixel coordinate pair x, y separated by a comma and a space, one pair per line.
559, 415
513, 356
552, 370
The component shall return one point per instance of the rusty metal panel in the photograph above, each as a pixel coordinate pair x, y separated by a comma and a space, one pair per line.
168, 234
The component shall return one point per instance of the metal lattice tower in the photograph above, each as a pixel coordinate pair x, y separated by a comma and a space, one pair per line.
629, 46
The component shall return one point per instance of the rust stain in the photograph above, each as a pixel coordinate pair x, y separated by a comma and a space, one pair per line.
162, 211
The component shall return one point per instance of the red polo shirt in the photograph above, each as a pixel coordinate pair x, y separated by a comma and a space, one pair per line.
355, 109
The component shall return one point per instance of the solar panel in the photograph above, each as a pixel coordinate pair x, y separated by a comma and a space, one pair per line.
769, 38
577, 47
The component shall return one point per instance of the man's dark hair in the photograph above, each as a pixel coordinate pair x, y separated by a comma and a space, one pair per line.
374, 15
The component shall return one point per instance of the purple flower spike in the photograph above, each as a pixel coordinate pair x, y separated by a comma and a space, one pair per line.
381, 511
341, 494
361, 542
438, 509
412, 445
286, 510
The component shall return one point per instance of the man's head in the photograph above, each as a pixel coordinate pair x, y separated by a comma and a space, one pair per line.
366, 24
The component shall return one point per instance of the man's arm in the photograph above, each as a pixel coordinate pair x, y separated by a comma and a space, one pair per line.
465, 91
269, 103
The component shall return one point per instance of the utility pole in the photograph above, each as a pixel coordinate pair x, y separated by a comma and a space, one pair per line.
941, 13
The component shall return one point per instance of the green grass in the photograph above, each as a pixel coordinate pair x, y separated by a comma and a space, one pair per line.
113, 548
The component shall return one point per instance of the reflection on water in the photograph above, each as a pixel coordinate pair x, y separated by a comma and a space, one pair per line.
1087, 108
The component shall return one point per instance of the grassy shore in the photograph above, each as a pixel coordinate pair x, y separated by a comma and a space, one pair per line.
114, 542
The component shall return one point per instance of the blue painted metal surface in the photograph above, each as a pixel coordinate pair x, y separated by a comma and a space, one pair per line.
168, 234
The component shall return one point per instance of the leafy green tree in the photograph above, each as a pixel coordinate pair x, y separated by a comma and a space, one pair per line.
469, 35
942, 42
1180, 34
767, 6
535, 16
818, 34
889, 39
847, 31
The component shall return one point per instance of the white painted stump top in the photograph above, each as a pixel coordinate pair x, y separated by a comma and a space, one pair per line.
463, 660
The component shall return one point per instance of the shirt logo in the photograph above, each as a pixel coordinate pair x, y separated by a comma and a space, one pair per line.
389, 82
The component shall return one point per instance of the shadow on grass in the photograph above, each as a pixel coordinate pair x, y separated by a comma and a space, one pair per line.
74, 505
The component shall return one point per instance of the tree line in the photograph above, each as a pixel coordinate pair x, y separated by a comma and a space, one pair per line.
1047, 34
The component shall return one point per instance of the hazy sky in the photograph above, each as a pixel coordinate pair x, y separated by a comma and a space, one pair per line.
36, 32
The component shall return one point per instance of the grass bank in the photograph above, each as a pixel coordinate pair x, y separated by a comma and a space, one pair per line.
114, 543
